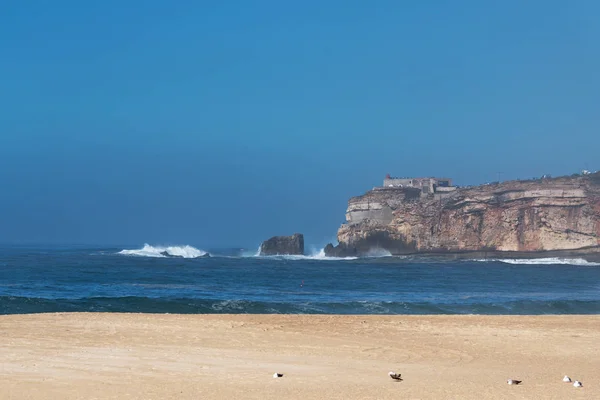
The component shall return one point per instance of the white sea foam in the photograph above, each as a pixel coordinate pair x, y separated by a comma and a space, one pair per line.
544, 261
377, 253
319, 255
314, 255
162, 252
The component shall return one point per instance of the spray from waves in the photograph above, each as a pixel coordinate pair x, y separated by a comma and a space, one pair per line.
163, 252
543, 261
317, 255
372, 253
314, 254
378, 253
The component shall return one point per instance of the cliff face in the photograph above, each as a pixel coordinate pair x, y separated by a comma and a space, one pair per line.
518, 216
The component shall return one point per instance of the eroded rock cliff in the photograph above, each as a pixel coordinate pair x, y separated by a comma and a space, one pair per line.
561, 214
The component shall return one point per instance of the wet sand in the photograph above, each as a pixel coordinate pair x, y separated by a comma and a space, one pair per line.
147, 356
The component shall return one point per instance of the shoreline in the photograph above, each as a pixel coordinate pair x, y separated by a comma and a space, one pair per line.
222, 356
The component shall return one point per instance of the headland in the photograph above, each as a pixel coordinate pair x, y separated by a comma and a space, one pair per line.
545, 217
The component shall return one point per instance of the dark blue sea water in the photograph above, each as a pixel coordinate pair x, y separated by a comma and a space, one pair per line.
36, 280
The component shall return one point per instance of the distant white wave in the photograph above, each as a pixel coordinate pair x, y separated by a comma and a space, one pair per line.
318, 255
376, 253
162, 252
314, 255
544, 261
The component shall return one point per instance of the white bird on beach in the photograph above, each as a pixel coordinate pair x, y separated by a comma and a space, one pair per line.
566, 379
395, 376
578, 384
513, 382
277, 375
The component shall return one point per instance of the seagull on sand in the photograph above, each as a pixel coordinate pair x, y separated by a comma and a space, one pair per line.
395, 376
578, 384
277, 375
566, 379
513, 382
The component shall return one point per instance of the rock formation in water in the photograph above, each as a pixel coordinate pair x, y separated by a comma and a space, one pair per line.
560, 215
283, 245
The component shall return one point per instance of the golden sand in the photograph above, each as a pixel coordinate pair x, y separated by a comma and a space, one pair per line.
148, 356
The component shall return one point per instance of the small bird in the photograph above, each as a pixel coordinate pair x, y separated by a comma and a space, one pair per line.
513, 382
395, 376
277, 375
578, 384
566, 379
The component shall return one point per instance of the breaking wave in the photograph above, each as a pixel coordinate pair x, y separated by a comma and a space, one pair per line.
163, 252
318, 255
314, 255
377, 253
543, 261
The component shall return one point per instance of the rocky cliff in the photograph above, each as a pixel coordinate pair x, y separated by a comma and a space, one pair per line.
547, 215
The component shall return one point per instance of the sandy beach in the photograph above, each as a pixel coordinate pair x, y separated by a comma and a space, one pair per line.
148, 356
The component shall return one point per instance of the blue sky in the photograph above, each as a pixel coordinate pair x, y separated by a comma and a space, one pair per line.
223, 124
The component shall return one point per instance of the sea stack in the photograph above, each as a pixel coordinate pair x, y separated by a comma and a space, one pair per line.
283, 245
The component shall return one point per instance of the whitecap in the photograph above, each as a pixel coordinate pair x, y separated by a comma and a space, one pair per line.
543, 261
315, 255
377, 253
319, 255
163, 252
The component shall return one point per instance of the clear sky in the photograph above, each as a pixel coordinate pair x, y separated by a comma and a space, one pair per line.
225, 122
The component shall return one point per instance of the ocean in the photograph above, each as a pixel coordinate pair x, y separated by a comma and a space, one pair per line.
178, 279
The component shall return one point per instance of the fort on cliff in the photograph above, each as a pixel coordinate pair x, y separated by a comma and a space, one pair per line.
426, 185
395, 191
557, 216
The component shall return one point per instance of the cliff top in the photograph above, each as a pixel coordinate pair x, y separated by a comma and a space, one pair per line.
590, 183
